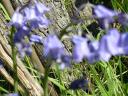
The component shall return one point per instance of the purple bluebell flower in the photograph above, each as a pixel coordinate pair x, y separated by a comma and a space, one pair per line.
104, 16
113, 37
102, 12
53, 48
41, 8
17, 19
1, 63
122, 18
80, 49
25, 20
13, 94
24, 49
36, 39
112, 40
21, 33
31, 17
79, 84
34, 18
65, 61
83, 49
43, 22
93, 56
109, 45
113, 43
123, 44
103, 52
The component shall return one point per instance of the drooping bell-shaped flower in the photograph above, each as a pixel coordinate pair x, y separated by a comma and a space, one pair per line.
17, 19
65, 61
104, 15
36, 39
21, 33
53, 48
80, 49
79, 84
122, 18
25, 20
24, 49
103, 50
41, 8
93, 56
110, 45
112, 39
123, 43
12, 94
102, 12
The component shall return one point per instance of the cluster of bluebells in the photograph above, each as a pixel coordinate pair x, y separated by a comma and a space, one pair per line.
25, 19
54, 50
31, 17
106, 16
111, 44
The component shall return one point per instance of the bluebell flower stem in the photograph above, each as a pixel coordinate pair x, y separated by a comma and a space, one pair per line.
15, 70
58, 72
45, 83
14, 60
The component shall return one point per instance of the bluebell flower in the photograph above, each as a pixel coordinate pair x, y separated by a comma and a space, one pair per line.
93, 56
21, 33
79, 84
109, 45
43, 22
80, 49
31, 17
17, 19
53, 47
93, 51
12, 94
41, 8
104, 16
83, 49
122, 18
65, 61
36, 39
24, 49
103, 12
1, 63
34, 18
113, 37
112, 41
25, 20
103, 52
123, 44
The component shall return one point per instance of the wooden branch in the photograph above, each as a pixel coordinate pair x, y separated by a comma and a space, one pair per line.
10, 79
7, 4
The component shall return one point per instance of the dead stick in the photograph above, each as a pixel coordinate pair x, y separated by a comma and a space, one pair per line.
7, 4
9, 78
